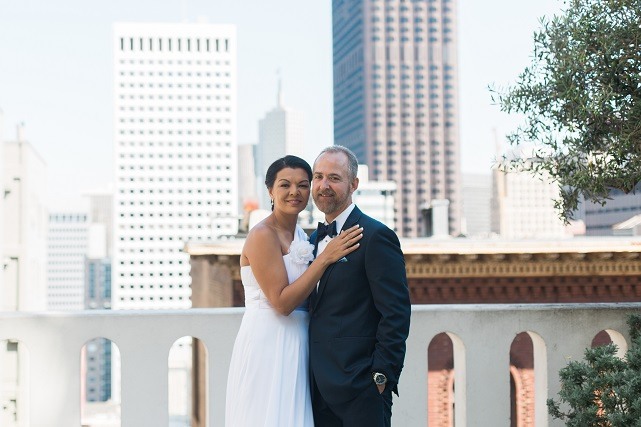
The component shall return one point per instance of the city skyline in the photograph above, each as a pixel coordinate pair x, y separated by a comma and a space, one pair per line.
57, 74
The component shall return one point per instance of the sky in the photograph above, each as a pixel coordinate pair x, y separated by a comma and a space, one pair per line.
56, 73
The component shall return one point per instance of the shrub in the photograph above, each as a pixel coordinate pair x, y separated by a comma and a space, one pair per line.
603, 390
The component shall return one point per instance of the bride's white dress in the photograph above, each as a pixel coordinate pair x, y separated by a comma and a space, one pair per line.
268, 382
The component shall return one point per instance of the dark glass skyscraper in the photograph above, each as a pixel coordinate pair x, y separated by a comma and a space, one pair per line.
396, 101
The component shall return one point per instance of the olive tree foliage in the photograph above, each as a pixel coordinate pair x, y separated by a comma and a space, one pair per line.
604, 390
581, 102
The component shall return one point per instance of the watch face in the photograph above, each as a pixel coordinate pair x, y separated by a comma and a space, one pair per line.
380, 379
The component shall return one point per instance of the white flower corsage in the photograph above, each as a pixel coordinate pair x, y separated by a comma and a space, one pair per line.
302, 252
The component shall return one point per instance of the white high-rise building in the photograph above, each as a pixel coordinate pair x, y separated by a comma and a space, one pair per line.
477, 196
73, 238
101, 213
175, 155
67, 250
523, 207
25, 227
24, 286
280, 133
1, 175
376, 198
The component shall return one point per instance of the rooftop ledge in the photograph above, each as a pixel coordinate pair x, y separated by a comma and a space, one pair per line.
465, 246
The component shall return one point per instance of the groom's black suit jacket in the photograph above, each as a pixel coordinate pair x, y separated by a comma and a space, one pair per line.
360, 315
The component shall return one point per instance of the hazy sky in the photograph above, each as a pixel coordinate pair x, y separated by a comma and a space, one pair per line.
56, 72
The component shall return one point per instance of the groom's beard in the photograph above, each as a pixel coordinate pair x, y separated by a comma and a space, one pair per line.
329, 202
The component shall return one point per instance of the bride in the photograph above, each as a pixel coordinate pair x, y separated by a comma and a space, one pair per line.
268, 383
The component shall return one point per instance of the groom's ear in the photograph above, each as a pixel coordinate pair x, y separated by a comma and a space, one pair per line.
354, 184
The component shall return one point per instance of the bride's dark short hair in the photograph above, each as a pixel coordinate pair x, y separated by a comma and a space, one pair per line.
288, 161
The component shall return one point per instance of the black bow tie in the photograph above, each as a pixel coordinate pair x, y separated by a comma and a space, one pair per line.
325, 230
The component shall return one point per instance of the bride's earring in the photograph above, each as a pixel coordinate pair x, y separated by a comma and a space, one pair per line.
272, 204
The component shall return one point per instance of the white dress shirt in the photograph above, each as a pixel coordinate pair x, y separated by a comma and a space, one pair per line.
340, 222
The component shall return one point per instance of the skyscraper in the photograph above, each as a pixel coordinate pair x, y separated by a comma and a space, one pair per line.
175, 155
396, 100
476, 190
375, 197
101, 212
280, 133
24, 278
67, 250
523, 206
25, 227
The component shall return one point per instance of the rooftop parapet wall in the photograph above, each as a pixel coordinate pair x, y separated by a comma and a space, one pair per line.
482, 333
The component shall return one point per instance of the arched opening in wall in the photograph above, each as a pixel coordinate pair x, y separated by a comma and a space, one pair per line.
179, 382
528, 380
445, 385
610, 336
200, 379
14, 390
100, 379
607, 337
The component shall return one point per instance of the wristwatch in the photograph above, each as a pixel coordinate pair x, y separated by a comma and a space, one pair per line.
379, 378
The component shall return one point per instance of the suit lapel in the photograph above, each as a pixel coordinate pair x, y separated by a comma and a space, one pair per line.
352, 220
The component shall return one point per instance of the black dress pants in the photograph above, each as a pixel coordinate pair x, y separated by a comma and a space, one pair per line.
369, 409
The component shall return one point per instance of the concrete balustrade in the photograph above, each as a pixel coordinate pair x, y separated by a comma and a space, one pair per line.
482, 335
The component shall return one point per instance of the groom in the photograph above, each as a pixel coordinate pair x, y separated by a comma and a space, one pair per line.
360, 312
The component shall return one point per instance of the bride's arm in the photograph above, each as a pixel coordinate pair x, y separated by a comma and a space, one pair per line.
262, 249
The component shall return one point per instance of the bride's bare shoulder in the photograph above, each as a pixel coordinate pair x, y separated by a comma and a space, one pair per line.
262, 237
